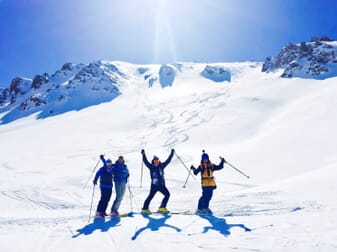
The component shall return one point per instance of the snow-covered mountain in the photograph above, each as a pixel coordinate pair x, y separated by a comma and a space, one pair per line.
78, 86
75, 87
316, 59
279, 131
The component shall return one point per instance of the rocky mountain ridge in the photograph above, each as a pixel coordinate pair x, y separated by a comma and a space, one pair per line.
315, 59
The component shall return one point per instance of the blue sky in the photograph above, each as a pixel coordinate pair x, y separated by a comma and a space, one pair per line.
38, 36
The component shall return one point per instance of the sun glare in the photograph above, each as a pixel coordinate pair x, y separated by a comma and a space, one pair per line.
178, 21
164, 46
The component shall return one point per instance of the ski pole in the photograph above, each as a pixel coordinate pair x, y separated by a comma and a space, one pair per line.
236, 169
188, 170
92, 200
141, 175
91, 174
130, 196
184, 186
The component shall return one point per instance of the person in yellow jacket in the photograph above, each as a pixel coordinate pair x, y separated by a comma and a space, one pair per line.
206, 168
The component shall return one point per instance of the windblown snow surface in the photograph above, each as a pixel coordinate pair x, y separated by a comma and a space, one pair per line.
280, 132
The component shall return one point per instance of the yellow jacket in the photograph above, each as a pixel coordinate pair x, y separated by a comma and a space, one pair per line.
206, 170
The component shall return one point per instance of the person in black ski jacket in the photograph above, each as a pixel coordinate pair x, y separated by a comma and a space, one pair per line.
156, 168
104, 174
120, 174
206, 168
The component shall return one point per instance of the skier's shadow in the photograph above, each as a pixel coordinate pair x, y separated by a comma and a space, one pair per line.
97, 224
154, 224
220, 225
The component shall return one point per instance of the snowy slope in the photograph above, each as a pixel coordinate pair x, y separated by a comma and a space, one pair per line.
281, 132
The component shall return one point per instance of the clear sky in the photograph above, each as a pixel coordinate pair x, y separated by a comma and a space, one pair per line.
38, 36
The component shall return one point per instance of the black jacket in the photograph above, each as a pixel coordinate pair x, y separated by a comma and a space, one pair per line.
157, 172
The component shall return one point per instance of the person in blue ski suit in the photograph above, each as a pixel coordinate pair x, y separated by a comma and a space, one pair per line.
120, 174
156, 168
104, 174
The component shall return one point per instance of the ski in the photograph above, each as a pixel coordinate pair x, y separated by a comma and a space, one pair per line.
130, 214
187, 212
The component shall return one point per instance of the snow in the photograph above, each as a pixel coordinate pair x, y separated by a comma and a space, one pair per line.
281, 132
216, 73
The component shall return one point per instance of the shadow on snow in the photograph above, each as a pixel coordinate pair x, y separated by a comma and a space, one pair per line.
155, 224
217, 224
76, 103
97, 224
220, 225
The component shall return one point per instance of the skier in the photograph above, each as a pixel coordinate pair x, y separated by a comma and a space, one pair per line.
120, 174
105, 175
157, 182
207, 182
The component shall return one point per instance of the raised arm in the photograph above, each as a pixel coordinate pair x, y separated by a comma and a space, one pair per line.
146, 162
168, 160
103, 159
220, 166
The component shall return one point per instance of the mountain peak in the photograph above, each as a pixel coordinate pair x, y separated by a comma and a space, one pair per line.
315, 59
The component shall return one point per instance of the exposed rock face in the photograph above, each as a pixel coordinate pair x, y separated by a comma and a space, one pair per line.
216, 73
39, 80
19, 86
167, 75
317, 59
4, 93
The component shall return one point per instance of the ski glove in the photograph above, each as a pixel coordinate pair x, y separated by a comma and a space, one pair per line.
94, 182
101, 156
192, 167
142, 151
172, 151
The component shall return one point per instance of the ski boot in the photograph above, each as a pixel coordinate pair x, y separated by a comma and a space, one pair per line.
146, 211
163, 210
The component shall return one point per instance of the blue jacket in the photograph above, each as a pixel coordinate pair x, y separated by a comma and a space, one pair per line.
105, 175
120, 171
157, 172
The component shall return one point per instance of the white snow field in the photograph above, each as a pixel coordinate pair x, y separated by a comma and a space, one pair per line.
281, 132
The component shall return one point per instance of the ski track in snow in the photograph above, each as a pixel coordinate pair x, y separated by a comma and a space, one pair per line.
177, 127
35, 198
265, 205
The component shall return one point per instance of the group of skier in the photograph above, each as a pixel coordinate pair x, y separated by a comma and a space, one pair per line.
119, 174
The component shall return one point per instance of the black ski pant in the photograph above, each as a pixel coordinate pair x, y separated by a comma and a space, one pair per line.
104, 201
154, 189
207, 193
